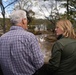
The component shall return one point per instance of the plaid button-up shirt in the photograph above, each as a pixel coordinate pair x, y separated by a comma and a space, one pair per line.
20, 53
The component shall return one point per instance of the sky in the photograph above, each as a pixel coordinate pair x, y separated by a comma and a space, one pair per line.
7, 9
38, 8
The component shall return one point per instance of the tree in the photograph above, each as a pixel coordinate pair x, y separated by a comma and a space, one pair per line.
54, 14
25, 5
3, 13
70, 6
72, 10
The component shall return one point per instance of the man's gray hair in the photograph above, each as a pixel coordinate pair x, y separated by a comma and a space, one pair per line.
17, 15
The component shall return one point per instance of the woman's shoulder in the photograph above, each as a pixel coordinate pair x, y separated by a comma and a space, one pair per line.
65, 41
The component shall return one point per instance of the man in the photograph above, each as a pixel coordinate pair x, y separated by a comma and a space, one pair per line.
19, 50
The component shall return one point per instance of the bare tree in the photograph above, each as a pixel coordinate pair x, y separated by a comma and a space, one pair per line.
3, 13
53, 13
25, 5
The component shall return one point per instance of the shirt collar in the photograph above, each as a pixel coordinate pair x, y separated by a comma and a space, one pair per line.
16, 28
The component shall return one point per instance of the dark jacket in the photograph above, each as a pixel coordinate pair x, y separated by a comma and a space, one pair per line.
63, 61
64, 57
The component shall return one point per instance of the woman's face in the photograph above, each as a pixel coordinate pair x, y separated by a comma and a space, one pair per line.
58, 30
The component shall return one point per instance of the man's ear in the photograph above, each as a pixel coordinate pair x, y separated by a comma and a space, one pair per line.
23, 21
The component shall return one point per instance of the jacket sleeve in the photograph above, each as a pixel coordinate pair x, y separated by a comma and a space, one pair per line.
54, 62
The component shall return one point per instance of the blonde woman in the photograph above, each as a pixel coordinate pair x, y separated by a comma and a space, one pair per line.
63, 61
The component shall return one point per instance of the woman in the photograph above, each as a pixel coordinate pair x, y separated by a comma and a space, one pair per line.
63, 60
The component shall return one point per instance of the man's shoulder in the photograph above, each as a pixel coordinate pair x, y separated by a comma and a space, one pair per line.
18, 34
28, 33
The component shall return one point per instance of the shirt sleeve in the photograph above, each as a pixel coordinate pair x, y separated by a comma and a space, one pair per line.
38, 58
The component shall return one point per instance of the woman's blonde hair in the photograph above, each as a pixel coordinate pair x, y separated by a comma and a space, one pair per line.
67, 27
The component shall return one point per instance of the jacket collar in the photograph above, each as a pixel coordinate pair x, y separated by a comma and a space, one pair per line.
60, 37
